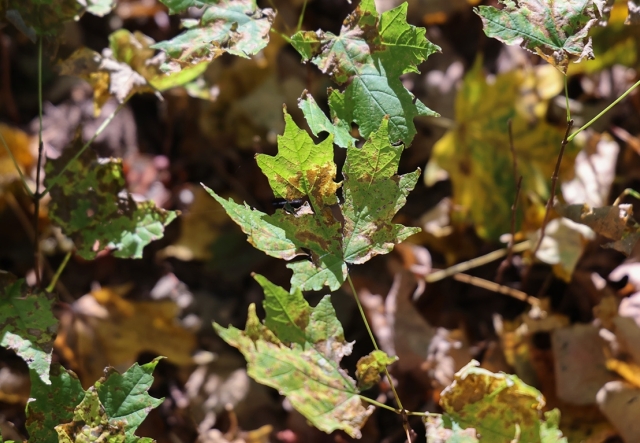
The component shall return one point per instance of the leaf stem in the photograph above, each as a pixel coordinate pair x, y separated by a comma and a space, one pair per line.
373, 340
102, 127
36, 195
628, 191
604, 111
284, 36
56, 276
304, 8
566, 96
378, 404
15, 163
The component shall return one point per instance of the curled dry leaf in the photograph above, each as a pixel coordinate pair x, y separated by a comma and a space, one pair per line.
613, 222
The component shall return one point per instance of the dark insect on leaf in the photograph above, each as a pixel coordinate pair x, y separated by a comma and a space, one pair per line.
288, 205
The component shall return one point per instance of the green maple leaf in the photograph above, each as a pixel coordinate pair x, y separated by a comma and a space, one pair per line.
371, 53
298, 351
110, 411
27, 324
238, 27
88, 204
555, 30
318, 122
477, 157
373, 193
499, 406
52, 404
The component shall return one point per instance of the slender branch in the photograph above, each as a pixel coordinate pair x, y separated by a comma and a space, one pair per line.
506, 263
495, 287
15, 164
604, 111
37, 196
284, 36
474, 263
554, 183
101, 128
56, 276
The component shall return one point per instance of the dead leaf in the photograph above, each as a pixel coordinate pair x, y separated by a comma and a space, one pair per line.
619, 403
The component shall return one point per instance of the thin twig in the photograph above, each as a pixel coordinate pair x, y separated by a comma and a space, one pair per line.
474, 263
506, 263
495, 287
37, 196
554, 182
56, 276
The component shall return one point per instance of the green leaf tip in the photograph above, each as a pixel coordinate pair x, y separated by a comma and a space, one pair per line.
297, 350
370, 54
87, 202
373, 194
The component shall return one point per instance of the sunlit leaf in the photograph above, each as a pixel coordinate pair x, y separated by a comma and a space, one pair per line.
613, 222
369, 55
90, 205
477, 156
373, 193
238, 27
107, 76
555, 30
98, 7
370, 366
27, 323
134, 49
298, 351
318, 122
501, 407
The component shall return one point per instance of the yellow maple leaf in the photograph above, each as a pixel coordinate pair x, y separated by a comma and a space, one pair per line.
477, 156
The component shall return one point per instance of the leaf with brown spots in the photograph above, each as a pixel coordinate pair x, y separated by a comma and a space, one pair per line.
501, 407
373, 195
613, 222
298, 351
555, 30
27, 324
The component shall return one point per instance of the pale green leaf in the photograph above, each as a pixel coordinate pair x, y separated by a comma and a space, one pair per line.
373, 194
238, 27
318, 122
307, 370
27, 323
555, 30
499, 406
89, 204
370, 54
98, 7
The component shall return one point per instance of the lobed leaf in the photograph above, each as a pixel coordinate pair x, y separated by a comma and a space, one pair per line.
613, 222
89, 203
298, 351
373, 194
238, 27
499, 406
555, 30
370, 54
318, 122
27, 324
